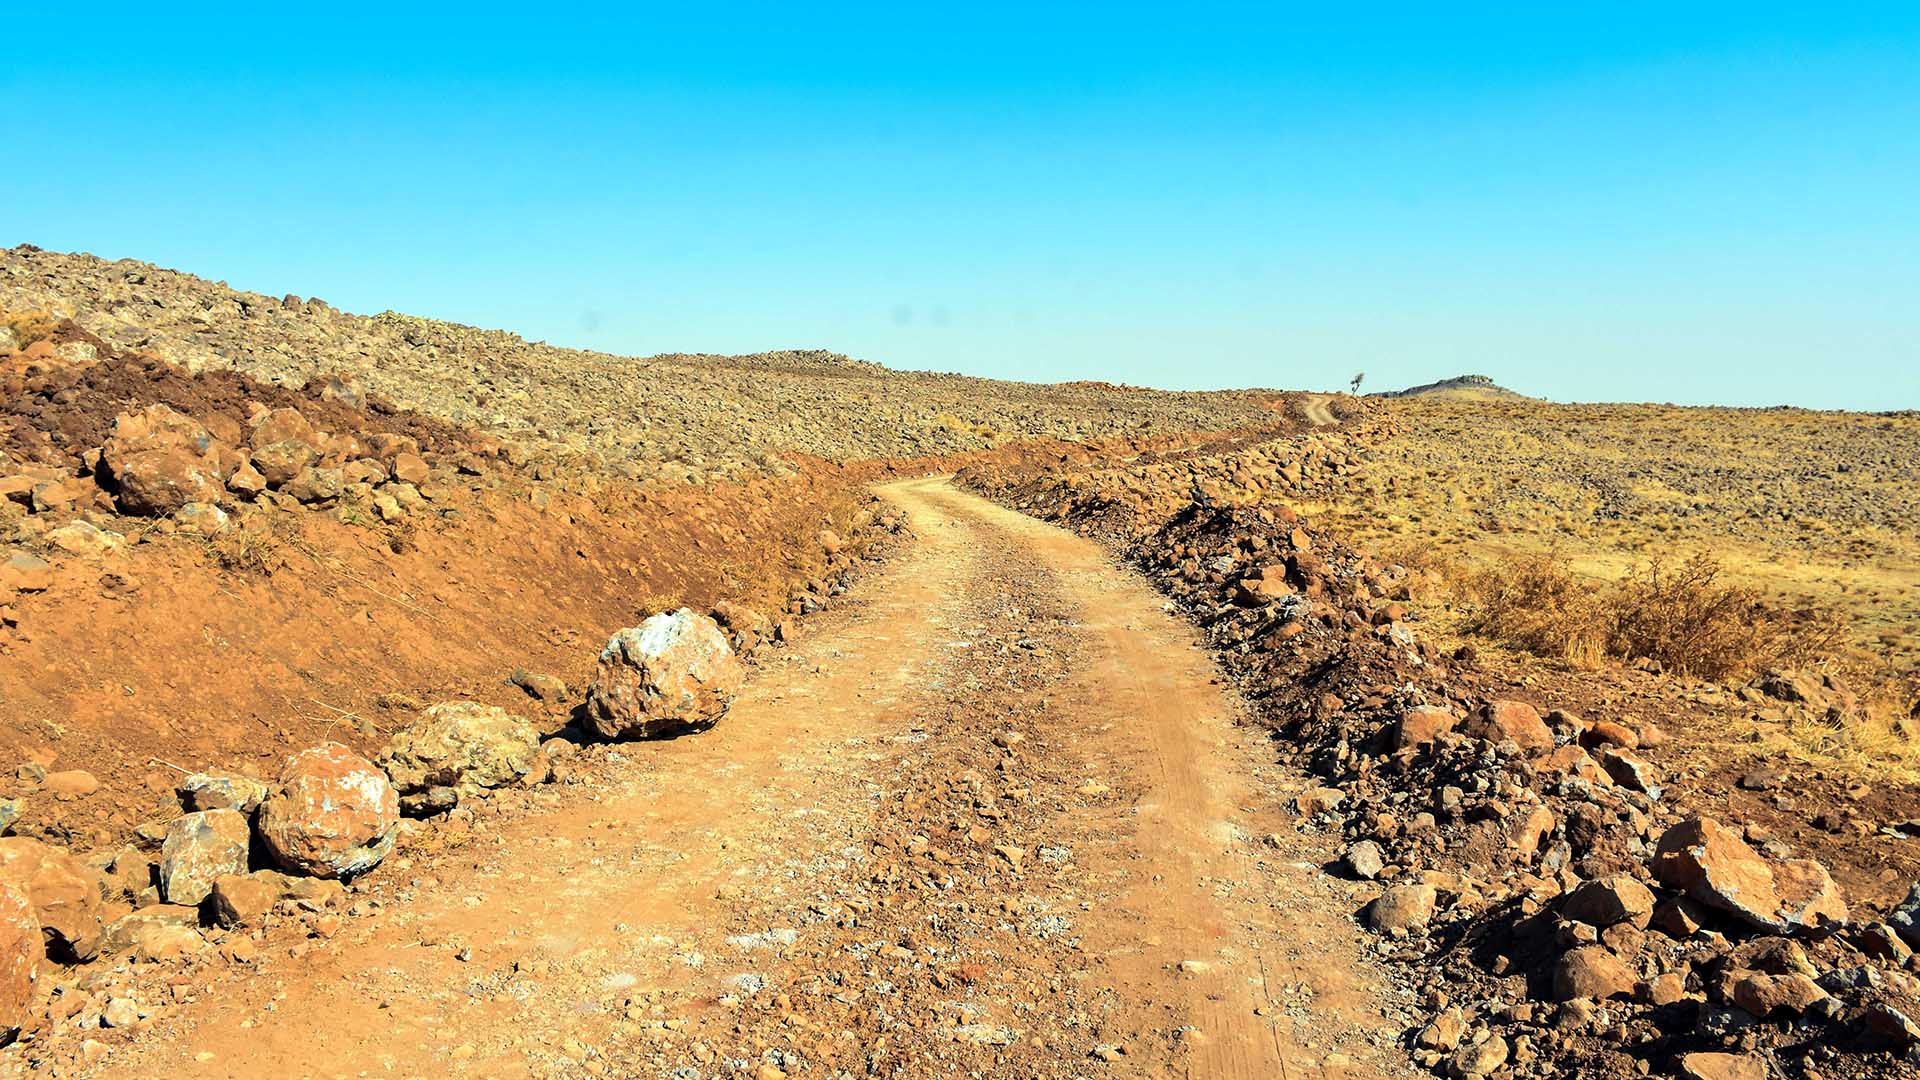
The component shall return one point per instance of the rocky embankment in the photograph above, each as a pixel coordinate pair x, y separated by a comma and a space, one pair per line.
96, 945
1546, 883
670, 419
153, 511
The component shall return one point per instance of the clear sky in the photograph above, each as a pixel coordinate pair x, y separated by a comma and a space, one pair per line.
1673, 202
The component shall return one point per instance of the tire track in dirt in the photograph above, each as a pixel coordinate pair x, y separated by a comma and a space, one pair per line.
994, 813
1317, 412
1230, 909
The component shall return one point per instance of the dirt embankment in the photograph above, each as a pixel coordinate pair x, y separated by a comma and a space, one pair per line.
1566, 862
226, 636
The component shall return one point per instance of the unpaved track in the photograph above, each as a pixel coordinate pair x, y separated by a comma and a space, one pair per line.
992, 814
1317, 412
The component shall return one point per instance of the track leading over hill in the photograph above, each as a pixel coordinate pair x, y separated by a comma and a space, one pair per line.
994, 815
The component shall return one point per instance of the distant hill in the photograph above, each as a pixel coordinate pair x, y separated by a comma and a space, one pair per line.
1470, 387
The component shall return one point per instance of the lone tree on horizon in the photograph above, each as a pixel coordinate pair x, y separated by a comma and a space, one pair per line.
1354, 387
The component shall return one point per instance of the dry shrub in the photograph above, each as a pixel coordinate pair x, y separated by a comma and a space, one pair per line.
1535, 603
29, 326
1692, 622
1687, 619
248, 548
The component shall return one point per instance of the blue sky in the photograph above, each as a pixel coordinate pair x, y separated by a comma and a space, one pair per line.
1628, 202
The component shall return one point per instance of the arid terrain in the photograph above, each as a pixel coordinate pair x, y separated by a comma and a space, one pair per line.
388, 697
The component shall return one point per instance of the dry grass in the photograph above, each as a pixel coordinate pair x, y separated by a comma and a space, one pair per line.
1810, 509
248, 548
1688, 618
29, 326
1537, 605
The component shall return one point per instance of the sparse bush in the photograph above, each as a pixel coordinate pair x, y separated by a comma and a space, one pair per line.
1536, 604
1687, 619
1692, 622
29, 326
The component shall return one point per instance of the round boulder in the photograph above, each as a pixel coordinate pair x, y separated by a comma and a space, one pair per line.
1515, 721
1591, 971
670, 672
458, 745
333, 815
160, 460
1402, 909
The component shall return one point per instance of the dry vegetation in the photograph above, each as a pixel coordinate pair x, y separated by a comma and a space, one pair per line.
1716, 542
1687, 619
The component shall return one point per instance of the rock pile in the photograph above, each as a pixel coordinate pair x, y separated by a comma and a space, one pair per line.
105, 435
1556, 910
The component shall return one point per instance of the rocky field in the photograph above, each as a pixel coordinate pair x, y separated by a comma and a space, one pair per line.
676, 417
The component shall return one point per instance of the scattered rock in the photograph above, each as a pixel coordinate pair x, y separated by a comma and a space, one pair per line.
1364, 860
547, 688
1763, 995
70, 784
23, 572
1708, 1065
128, 931
1419, 727
1500, 721
1479, 1058
1609, 900
246, 899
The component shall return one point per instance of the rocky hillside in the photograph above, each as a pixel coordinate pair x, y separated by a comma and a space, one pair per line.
1465, 387
678, 416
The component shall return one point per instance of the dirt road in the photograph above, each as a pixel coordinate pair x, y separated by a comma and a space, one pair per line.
991, 816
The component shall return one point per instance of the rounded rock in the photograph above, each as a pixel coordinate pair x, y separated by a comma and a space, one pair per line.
333, 815
672, 671
65, 894
462, 745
